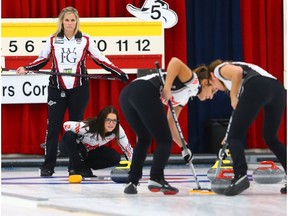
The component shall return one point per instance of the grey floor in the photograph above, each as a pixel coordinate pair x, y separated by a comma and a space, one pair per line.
25, 193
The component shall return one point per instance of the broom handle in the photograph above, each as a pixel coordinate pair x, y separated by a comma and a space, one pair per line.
91, 76
224, 146
178, 127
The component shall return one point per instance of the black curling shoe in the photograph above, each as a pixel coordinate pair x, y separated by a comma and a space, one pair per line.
238, 185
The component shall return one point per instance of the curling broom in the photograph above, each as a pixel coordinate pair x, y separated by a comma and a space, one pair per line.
198, 189
91, 76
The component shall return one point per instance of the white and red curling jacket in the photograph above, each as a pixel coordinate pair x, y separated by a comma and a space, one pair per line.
249, 70
181, 91
69, 56
92, 142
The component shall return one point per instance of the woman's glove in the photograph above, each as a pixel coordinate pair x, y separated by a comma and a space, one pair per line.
223, 155
187, 154
124, 77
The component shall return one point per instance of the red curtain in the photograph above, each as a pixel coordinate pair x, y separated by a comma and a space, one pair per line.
262, 33
24, 125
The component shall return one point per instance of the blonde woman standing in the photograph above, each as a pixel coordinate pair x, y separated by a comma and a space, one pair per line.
68, 48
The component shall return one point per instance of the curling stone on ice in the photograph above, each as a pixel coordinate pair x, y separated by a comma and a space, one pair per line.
268, 174
222, 181
119, 174
226, 164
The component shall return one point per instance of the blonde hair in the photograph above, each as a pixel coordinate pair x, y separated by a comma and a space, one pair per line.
65, 11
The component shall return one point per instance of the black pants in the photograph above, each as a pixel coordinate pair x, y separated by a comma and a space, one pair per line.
259, 92
76, 101
99, 158
141, 105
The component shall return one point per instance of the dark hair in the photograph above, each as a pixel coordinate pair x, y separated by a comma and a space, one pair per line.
214, 64
202, 72
212, 67
96, 124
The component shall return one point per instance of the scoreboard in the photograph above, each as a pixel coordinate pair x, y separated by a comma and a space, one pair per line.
129, 43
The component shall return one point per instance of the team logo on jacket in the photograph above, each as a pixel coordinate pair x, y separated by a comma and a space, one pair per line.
59, 40
67, 127
68, 55
196, 81
155, 10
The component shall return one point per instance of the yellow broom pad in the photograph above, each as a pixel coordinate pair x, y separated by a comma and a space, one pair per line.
201, 191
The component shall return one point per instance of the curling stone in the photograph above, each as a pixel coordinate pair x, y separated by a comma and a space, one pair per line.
119, 174
268, 174
226, 164
222, 181
74, 179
